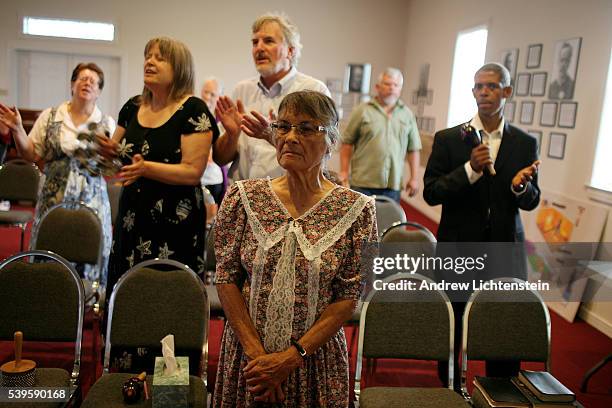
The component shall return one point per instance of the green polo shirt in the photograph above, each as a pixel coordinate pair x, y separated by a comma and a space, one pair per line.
380, 144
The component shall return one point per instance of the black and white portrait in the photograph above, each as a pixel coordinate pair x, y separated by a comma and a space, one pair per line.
358, 78
509, 59
565, 66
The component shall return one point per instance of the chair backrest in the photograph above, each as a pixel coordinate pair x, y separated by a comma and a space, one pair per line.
505, 325
28, 118
44, 300
147, 304
19, 181
72, 230
408, 238
408, 231
114, 193
422, 324
388, 212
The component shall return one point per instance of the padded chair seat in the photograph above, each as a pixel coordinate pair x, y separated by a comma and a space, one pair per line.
397, 397
45, 377
15, 217
216, 310
106, 392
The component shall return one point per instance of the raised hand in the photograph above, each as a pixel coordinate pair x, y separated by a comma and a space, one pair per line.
525, 175
11, 118
258, 126
230, 114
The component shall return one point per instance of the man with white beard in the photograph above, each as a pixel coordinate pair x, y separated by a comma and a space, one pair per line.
380, 135
276, 49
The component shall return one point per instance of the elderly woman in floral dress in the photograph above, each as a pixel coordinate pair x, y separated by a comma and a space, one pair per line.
289, 269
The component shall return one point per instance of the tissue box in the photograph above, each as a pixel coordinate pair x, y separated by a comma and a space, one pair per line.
171, 391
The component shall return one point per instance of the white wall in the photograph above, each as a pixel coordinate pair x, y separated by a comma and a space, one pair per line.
218, 34
431, 31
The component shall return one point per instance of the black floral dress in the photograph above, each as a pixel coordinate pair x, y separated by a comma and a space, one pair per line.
158, 220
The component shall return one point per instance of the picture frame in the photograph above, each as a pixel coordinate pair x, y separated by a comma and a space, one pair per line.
522, 84
548, 114
538, 135
567, 114
357, 78
556, 145
538, 83
527, 112
509, 59
509, 109
565, 67
534, 56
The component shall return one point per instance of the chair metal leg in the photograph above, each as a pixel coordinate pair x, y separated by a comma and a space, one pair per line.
23, 229
585, 380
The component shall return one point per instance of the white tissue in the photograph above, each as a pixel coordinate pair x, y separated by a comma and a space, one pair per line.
171, 368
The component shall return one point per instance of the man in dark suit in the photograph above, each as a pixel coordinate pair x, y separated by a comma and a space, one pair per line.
476, 205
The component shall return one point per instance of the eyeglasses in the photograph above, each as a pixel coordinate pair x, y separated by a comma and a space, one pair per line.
303, 129
90, 79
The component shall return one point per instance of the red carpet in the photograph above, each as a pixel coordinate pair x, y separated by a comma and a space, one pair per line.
576, 347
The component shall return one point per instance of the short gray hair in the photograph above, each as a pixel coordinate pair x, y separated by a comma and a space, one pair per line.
393, 73
319, 107
499, 69
290, 31
215, 80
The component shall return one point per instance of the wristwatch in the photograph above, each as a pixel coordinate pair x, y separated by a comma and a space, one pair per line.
299, 348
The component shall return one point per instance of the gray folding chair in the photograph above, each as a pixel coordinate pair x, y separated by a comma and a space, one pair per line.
409, 238
422, 329
74, 231
19, 181
145, 306
505, 325
46, 301
388, 212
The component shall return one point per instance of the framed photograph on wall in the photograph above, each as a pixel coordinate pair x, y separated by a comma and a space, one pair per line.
509, 109
527, 111
556, 145
509, 59
534, 56
538, 135
565, 66
357, 78
538, 83
567, 114
548, 115
522, 84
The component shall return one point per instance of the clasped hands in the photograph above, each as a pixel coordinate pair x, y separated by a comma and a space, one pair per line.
266, 373
128, 174
235, 120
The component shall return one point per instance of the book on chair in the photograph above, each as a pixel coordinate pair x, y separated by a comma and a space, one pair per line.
501, 392
546, 387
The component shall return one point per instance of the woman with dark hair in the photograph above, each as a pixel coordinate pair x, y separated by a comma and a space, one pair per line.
288, 269
54, 143
163, 138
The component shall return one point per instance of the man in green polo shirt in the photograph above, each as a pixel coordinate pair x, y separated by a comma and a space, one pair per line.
380, 135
